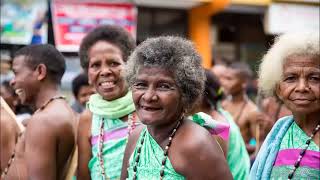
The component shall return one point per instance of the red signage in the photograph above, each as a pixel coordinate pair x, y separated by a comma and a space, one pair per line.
72, 20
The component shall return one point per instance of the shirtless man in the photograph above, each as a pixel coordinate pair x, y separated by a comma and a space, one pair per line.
50, 134
245, 113
12, 147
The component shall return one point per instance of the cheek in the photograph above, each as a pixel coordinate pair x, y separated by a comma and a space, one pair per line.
136, 95
92, 76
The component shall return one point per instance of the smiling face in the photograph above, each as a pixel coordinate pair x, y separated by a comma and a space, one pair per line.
24, 81
299, 88
157, 98
105, 70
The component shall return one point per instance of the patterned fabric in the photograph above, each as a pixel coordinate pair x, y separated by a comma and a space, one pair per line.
214, 127
237, 157
149, 165
115, 140
115, 134
291, 145
264, 161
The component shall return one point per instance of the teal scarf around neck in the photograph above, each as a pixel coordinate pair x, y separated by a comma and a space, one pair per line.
111, 109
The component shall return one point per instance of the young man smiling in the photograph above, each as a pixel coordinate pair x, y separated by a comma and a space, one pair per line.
50, 134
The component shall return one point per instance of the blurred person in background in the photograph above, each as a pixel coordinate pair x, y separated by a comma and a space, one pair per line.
22, 112
290, 71
81, 91
274, 108
237, 155
12, 162
50, 134
104, 127
170, 145
253, 124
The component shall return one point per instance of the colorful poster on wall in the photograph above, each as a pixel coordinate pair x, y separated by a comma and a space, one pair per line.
24, 22
72, 19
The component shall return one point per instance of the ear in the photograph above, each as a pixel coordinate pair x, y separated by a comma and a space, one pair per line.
41, 71
277, 92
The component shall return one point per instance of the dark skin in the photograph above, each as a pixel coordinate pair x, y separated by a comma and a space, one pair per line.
193, 151
299, 90
105, 75
50, 134
9, 136
245, 113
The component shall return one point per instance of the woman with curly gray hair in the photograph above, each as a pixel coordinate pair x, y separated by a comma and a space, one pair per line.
291, 71
167, 80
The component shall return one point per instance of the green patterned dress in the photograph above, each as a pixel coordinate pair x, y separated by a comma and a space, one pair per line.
291, 145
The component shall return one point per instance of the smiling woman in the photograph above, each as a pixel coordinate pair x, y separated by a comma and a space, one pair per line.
105, 125
292, 147
170, 146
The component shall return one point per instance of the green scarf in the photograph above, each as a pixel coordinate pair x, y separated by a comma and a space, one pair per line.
111, 109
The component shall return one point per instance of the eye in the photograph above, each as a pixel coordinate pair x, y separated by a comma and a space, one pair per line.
314, 78
95, 65
289, 78
139, 85
165, 87
114, 64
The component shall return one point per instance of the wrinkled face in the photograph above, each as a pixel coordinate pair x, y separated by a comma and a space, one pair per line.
25, 81
157, 98
105, 70
232, 82
299, 88
84, 94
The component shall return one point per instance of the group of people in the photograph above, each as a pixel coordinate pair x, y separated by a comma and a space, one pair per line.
157, 114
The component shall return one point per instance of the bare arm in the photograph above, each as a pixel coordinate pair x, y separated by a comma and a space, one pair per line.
132, 141
84, 146
41, 146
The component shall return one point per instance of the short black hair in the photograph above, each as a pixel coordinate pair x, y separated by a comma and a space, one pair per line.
45, 54
243, 69
213, 92
115, 35
78, 82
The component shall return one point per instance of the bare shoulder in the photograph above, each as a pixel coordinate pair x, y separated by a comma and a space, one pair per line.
195, 151
198, 138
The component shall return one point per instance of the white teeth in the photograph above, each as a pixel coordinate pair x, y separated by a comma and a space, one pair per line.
107, 84
18, 91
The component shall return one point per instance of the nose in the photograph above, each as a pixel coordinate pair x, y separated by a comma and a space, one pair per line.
150, 95
105, 71
302, 85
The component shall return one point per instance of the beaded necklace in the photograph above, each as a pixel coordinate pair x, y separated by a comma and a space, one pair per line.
163, 162
49, 101
303, 151
131, 125
12, 157
5, 171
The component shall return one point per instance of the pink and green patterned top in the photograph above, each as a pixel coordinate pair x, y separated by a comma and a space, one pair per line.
293, 142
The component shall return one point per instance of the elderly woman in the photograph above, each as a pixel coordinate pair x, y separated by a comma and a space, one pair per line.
291, 71
167, 79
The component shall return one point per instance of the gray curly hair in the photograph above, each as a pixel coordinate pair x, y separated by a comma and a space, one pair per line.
285, 46
176, 55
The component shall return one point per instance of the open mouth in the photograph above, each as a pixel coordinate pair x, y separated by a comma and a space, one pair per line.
151, 109
107, 84
19, 92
